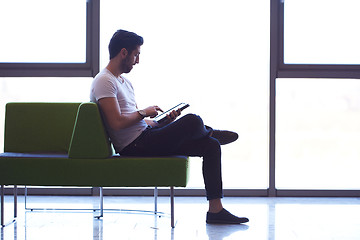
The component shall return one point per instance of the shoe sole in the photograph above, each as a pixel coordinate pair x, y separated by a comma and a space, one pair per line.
226, 222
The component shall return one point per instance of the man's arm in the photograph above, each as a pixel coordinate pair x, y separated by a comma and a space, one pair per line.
117, 120
151, 122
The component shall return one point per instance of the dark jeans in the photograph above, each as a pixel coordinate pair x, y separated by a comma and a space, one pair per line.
186, 136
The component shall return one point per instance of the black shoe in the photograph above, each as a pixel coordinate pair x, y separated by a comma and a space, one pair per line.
224, 217
224, 136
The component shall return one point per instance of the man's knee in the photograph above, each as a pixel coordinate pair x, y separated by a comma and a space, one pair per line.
192, 117
193, 120
214, 144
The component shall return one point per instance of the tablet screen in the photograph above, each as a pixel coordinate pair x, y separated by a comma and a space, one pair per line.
161, 117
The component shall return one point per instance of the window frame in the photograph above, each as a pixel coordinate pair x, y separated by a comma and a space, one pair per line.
286, 70
279, 69
88, 69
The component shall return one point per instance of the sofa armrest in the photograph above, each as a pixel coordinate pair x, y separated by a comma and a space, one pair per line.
89, 138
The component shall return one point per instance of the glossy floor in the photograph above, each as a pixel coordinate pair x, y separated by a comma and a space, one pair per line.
270, 218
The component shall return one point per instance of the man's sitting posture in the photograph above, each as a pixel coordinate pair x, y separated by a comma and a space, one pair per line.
134, 134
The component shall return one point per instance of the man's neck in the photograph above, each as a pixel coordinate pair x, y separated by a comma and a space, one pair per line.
114, 69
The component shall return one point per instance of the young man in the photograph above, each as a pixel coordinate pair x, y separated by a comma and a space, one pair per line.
133, 133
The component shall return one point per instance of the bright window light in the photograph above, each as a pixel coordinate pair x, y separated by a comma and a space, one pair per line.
322, 32
213, 55
43, 31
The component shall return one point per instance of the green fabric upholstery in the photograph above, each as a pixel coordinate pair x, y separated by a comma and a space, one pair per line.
39, 127
55, 170
89, 139
65, 144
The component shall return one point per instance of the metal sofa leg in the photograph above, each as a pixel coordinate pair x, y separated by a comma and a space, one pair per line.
2, 206
15, 201
25, 197
156, 193
101, 204
172, 206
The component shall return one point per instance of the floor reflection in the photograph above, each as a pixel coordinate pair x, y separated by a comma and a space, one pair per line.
98, 229
270, 219
220, 232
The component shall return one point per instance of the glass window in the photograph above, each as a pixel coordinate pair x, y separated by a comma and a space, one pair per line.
213, 55
318, 134
321, 32
42, 31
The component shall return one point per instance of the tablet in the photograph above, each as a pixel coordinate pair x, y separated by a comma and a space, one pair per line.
163, 116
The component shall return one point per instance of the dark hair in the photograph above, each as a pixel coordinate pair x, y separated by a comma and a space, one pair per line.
124, 39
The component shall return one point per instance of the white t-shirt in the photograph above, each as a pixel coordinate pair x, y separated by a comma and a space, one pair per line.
105, 84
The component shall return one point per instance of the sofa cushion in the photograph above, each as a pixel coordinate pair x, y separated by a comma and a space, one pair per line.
58, 170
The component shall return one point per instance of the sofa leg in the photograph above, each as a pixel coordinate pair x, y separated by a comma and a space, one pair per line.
25, 197
15, 201
101, 204
172, 206
156, 193
2, 206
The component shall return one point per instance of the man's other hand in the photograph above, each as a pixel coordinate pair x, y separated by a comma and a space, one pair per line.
173, 115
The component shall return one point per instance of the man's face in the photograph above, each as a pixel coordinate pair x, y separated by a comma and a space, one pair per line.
131, 59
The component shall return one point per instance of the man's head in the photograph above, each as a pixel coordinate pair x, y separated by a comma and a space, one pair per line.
124, 49
124, 39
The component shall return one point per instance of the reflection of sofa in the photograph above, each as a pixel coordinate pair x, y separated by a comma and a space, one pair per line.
65, 144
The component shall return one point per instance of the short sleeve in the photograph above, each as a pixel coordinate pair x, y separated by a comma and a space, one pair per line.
103, 87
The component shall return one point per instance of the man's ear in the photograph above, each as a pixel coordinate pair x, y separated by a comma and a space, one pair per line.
124, 52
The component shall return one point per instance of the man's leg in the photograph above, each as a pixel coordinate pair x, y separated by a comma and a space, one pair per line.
188, 136
168, 139
209, 149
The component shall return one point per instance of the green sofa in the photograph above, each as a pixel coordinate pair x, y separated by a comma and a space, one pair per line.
65, 144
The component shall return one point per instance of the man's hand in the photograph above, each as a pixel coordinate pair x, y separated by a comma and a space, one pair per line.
152, 111
170, 118
173, 115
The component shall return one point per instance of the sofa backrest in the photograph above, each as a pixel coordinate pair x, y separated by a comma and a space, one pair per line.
39, 127
73, 128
